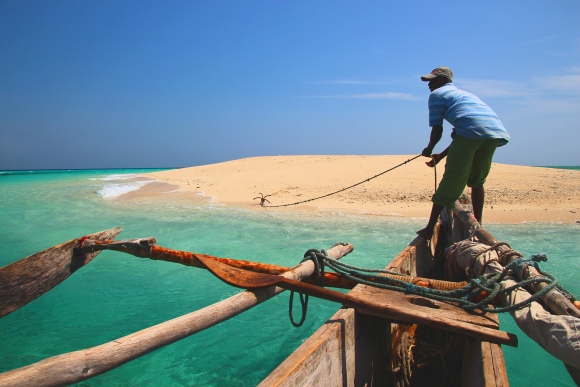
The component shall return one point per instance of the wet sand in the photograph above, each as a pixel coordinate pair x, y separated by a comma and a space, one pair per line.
514, 193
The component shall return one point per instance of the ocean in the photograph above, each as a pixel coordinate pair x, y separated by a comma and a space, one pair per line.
118, 294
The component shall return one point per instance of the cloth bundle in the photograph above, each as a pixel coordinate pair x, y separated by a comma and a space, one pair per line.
559, 335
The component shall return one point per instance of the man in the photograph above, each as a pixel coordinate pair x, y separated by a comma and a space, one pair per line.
476, 134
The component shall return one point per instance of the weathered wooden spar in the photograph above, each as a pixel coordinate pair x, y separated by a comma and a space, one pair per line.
31, 277
370, 341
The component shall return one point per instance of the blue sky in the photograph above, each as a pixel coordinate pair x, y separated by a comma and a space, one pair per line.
105, 84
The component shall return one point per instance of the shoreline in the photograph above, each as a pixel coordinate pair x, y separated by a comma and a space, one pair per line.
514, 194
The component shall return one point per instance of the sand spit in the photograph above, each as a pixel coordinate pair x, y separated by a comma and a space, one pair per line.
514, 193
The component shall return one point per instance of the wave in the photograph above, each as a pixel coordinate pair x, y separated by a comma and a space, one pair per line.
110, 191
119, 177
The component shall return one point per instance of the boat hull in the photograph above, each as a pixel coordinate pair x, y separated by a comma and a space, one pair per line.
354, 349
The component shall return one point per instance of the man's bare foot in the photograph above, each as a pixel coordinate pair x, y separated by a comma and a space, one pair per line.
425, 233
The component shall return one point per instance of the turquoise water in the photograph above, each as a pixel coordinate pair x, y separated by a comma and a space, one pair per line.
118, 294
572, 167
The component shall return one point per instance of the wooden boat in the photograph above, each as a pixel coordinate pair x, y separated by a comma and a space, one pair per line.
358, 349
369, 343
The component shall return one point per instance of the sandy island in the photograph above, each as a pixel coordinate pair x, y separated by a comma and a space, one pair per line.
514, 193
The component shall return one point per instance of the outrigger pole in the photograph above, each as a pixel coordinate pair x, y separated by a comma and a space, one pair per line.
80, 365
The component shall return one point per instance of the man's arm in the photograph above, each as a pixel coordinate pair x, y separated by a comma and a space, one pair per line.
437, 157
436, 134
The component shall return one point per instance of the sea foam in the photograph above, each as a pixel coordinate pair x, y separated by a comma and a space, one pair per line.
120, 177
122, 186
113, 190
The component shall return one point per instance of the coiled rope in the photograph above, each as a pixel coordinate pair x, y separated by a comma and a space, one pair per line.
484, 288
346, 188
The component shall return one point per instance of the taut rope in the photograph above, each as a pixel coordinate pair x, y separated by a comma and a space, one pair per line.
434, 170
344, 189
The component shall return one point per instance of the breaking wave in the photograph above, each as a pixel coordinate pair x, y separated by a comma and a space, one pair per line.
113, 190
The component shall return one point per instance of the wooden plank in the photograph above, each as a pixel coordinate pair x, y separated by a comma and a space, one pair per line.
80, 365
487, 362
323, 361
31, 277
483, 365
404, 262
399, 301
368, 305
499, 368
327, 358
416, 254
494, 368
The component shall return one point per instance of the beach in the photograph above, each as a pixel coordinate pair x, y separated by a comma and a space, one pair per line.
117, 294
514, 193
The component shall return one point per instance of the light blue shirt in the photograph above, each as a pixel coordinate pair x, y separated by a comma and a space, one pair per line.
469, 115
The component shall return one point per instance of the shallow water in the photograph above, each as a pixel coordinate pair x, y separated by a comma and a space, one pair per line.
119, 294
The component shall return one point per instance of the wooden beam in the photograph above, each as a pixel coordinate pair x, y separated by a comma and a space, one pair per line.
80, 365
31, 277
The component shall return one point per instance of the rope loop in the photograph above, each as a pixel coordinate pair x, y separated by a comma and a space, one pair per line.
318, 257
303, 303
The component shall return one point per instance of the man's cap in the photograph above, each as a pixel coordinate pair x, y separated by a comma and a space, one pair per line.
443, 71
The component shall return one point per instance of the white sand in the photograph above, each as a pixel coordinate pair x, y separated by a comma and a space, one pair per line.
513, 193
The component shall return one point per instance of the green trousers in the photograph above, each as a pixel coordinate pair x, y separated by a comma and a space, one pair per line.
468, 163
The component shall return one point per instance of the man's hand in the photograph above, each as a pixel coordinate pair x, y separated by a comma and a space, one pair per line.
436, 157
434, 161
427, 152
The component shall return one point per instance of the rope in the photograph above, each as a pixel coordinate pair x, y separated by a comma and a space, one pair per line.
349, 187
434, 170
484, 288
405, 357
442, 352
318, 257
